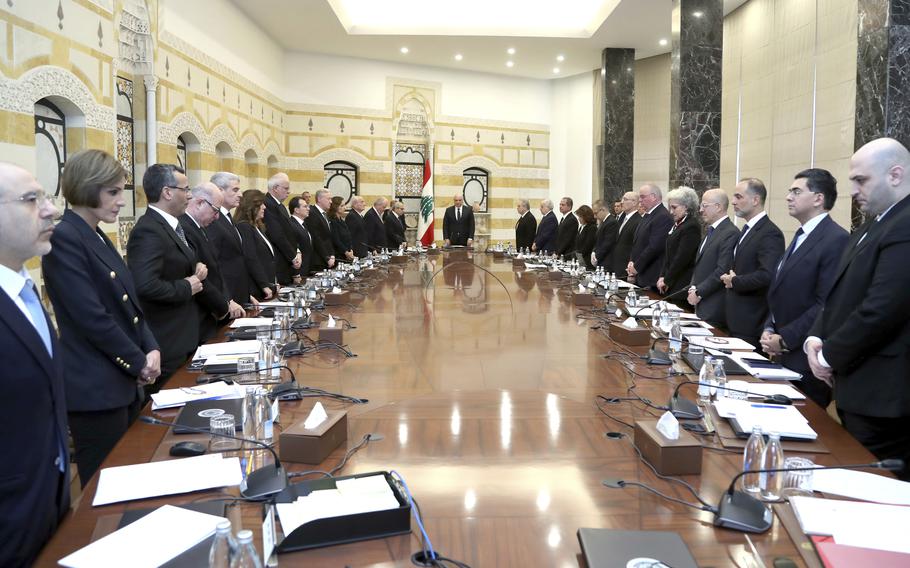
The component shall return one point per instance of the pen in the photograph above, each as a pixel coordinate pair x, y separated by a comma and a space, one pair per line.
772, 406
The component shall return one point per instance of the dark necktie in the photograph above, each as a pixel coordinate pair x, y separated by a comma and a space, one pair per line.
458, 213
181, 235
792, 247
741, 239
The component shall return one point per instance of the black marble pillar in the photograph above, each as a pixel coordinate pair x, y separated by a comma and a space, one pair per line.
695, 93
882, 74
618, 129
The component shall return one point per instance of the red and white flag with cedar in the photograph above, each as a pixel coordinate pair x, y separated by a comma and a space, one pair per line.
425, 217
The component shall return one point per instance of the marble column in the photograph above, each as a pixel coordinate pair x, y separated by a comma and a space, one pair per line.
882, 74
695, 93
617, 106
151, 119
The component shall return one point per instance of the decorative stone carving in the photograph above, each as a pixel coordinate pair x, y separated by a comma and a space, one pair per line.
136, 48
20, 95
319, 161
185, 122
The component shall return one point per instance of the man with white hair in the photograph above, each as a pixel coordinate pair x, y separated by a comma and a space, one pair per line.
545, 241
375, 228
279, 230
356, 226
458, 223
650, 241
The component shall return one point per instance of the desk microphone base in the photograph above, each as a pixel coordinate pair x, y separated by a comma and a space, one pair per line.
685, 408
263, 482
742, 512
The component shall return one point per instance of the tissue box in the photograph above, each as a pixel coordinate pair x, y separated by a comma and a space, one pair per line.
554, 274
399, 259
499, 254
637, 337
333, 334
518, 262
433, 251
582, 298
299, 445
340, 299
669, 457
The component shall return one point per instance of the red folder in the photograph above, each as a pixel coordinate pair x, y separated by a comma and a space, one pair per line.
835, 555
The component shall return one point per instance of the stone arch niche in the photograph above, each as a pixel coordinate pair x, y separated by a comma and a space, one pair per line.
272, 164
189, 156
59, 133
225, 157
413, 146
251, 163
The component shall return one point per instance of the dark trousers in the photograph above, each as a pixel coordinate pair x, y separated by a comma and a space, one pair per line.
884, 437
95, 434
815, 389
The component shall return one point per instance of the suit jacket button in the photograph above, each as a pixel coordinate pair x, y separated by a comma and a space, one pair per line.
113, 274
136, 320
125, 297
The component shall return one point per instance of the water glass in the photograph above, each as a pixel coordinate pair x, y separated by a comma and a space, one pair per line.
246, 364
223, 424
797, 483
696, 349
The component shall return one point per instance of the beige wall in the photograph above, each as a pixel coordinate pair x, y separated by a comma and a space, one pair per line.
651, 154
787, 64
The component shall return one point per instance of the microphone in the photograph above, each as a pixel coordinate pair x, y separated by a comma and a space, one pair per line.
652, 304
265, 481
740, 511
688, 410
221, 376
658, 357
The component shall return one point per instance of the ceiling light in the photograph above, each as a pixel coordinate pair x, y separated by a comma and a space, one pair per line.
510, 64
698, 14
662, 41
560, 58
404, 50
458, 57
511, 51
556, 70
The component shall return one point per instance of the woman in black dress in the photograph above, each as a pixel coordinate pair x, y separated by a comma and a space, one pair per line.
682, 244
587, 234
257, 250
341, 234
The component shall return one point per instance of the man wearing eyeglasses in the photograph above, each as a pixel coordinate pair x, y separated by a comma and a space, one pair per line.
165, 267
215, 303
707, 292
34, 493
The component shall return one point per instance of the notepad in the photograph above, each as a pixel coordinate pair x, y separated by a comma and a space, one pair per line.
147, 543
862, 485
174, 398
783, 419
171, 477
855, 523
246, 347
761, 368
251, 322
350, 497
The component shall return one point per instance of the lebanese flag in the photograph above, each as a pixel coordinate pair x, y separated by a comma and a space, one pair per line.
425, 216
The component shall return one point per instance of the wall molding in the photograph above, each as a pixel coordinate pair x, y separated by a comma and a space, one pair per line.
20, 95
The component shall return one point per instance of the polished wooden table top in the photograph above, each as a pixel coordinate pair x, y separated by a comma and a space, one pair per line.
482, 380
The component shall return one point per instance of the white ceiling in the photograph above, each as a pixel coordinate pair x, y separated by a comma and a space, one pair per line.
313, 26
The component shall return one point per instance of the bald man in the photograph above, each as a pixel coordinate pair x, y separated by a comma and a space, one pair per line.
280, 232
458, 223
707, 292
860, 342
34, 494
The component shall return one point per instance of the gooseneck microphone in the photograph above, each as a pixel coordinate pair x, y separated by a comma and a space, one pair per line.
265, 481
740, 511
688, 410
213, 376
654, 303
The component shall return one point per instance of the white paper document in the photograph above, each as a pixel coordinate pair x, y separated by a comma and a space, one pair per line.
862, 485
275, 304
350, 497
251, 322
696, 331
227, 348
761, 390
173, 398
785, 420
855, 523
733, 343
170, 477
782, 374
147, 543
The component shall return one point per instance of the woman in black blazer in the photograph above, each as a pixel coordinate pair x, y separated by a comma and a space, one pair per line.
257, 250
108, 350
682, 244
587, 234
341, 234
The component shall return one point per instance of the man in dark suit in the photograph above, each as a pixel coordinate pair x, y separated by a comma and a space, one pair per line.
860, 342
279, 231
649, 245
215, 303
394, 225
526, 226
755, 257
567, 231
372, 222
317, 223
165, 269
606, 237
707, 292
545, 241
34, 494
227, 243
300, 210
628, 221
458, 223
357, 227
804, 276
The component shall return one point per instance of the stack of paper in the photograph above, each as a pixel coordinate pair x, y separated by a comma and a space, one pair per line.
227, 350
761, 390
141, 481
350, 497
733, 343
785, 420
151, 541
174, 398
251, 322
862, 485
853, 523
755, 365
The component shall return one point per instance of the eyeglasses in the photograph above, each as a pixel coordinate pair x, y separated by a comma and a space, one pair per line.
796, 192
33, 198
183, 189
215, 209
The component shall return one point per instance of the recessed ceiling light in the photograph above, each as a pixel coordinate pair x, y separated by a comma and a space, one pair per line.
511, 51
458, 57
698, 14
510, 64
560, 58
405, 50
556, 70
662, 41
628, 69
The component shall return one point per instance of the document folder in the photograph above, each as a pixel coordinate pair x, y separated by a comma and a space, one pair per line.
346, 528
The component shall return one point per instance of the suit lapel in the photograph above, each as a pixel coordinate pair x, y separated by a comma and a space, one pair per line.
25, 331
173, 236
815, 237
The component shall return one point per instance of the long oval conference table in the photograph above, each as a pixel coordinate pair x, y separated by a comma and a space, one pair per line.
481, 379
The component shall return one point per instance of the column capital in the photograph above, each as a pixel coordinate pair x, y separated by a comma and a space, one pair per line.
151, 83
